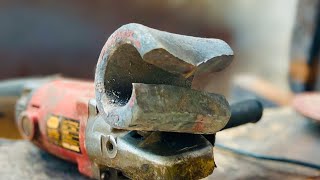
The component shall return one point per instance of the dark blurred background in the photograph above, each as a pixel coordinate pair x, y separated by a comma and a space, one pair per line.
46, 37
49, 37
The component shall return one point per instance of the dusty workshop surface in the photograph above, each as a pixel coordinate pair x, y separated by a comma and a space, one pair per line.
280, 132
22, 160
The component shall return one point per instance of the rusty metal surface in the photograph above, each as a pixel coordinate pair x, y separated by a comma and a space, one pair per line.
143, 82
281, 132
160, 155
137, 54
171, 109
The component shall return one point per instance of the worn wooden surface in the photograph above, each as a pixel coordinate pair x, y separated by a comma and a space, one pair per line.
281, 132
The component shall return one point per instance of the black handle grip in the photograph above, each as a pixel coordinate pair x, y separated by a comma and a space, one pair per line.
248, 111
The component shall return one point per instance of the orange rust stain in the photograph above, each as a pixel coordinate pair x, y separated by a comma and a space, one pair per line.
123, 35
199, 126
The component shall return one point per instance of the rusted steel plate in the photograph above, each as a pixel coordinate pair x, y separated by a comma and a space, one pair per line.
171, 108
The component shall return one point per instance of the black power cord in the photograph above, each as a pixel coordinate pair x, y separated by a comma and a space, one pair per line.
268, 158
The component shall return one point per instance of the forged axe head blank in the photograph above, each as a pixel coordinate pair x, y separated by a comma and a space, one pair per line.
143, 81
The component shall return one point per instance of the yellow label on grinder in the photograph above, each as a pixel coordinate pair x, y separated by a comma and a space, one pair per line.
64, 132
53, 131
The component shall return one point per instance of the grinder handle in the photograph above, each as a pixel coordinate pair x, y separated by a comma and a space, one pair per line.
248, 111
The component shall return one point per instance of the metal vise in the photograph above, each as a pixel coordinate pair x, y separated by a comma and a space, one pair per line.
147, 121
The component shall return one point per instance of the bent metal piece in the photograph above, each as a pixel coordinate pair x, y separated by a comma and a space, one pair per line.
143, 81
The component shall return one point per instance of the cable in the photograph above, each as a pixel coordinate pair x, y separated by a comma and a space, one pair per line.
269, 158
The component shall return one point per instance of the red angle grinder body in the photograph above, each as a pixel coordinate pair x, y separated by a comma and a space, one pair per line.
55, 120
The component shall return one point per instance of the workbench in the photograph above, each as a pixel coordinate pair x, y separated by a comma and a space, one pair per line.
281, 132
